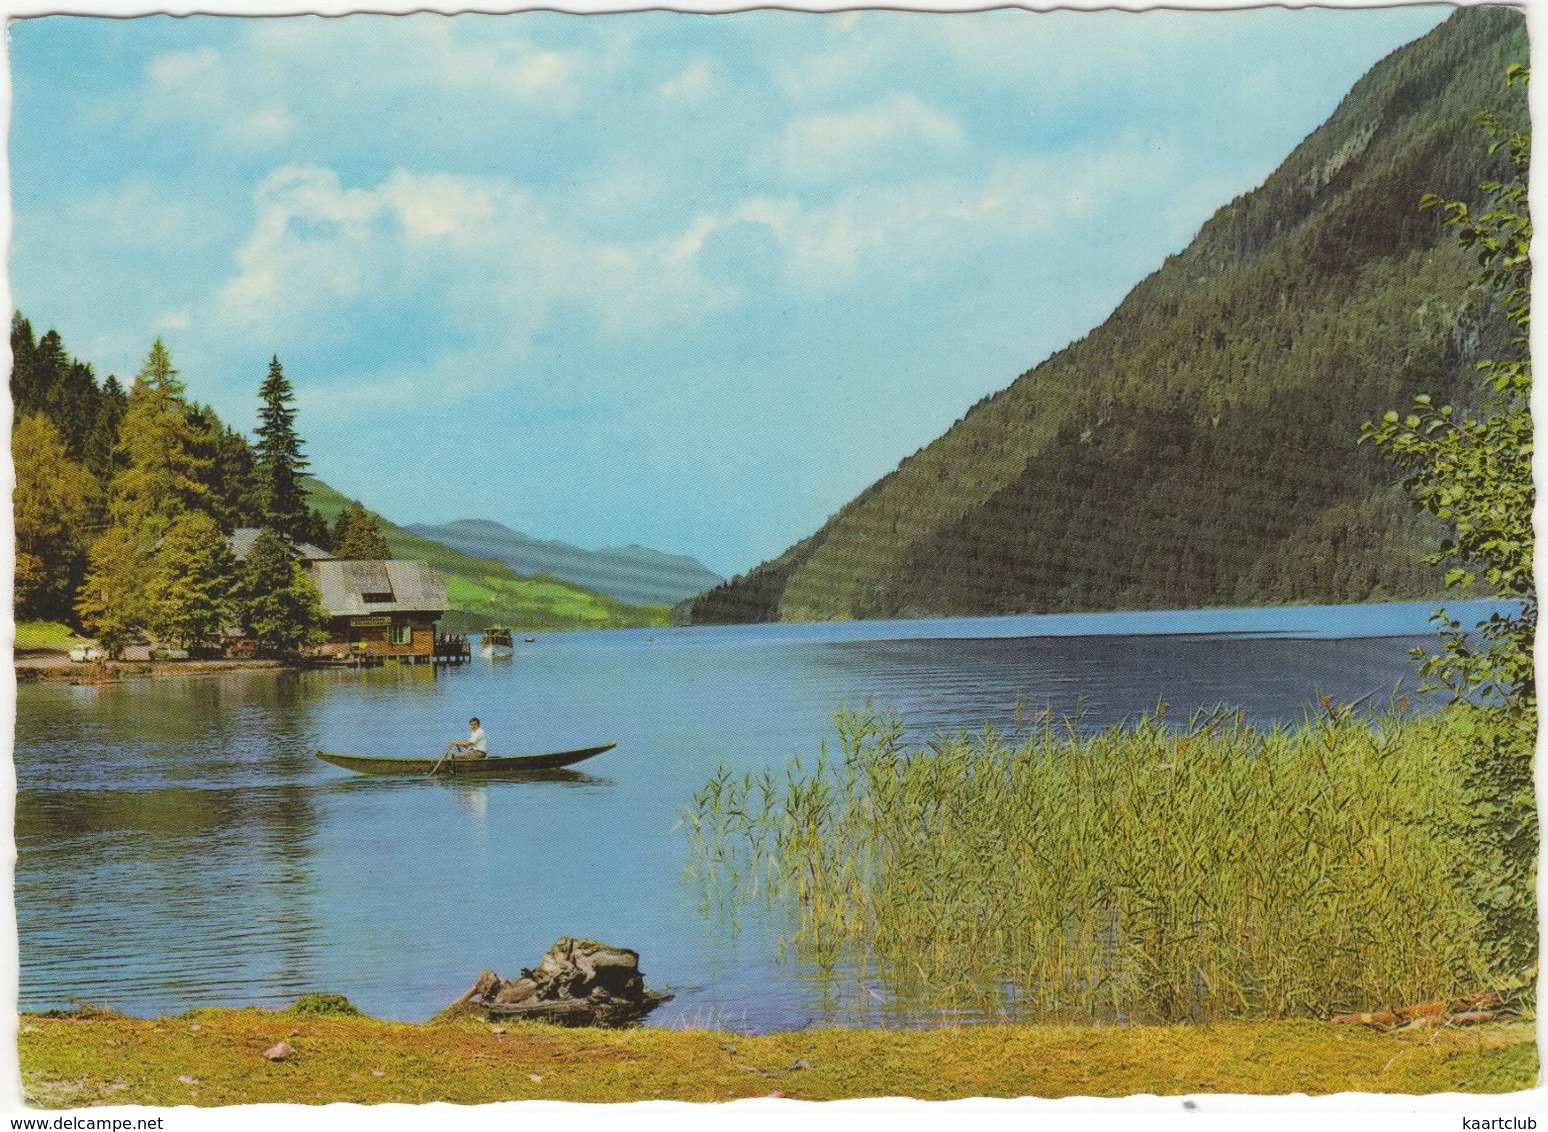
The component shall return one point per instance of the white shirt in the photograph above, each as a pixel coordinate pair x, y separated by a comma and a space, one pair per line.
477, 740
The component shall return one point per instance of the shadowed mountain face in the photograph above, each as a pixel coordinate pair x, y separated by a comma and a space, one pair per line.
632, 574
1200, 447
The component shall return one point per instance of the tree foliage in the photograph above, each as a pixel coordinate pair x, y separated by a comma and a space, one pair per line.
234, 497
163, 472
1472, 470
112, 604
52, 503
123, 501
280, 463
191, 578
277, 602
46, 380
357, 536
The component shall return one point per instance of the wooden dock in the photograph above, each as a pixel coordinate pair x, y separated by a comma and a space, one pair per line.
451, 648
445, 648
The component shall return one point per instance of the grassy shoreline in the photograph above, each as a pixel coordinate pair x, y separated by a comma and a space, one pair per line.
50, 669
216, 1057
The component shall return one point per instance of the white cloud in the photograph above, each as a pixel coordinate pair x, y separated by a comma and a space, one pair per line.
484, 257
201, 85
858, 50
692, 86
176, 67
833, 146
266, 127
278, 73
923, 225
489, 261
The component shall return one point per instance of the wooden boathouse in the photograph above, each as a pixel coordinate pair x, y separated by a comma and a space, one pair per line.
377, 610
381, 610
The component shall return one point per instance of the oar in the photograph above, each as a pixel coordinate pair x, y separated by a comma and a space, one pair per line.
441, 760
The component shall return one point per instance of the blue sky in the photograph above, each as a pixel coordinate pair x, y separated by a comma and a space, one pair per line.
686, 281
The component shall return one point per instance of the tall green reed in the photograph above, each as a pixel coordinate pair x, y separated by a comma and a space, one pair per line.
1144, 872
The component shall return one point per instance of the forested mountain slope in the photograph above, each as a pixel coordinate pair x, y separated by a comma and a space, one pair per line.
1200, 447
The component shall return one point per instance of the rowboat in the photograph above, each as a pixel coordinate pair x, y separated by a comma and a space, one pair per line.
483, 768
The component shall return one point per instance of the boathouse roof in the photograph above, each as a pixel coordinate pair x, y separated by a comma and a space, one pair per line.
242, 540
353, 589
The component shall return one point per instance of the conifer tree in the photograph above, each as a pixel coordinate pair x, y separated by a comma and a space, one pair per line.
45, 379
276, 600
231, 478
112, 604
281, 465
191, 581
163, 473
24, 346
103, 439
357, 536
160, 476
44, 363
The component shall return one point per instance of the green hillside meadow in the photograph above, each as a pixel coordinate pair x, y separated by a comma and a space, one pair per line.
482, 591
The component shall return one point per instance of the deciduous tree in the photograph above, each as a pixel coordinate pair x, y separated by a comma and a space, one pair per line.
163, 473
52, 502
112, 603
1473, 471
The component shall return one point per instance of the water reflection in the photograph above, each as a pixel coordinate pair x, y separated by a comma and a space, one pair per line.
173, 886
169, 826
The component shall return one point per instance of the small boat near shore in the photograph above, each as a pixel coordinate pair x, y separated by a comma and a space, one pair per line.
481, 768
497, 641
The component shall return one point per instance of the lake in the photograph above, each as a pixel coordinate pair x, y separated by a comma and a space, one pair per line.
179, 845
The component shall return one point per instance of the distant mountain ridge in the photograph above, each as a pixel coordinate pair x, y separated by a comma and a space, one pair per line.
482, 591
1200, 446
637, 575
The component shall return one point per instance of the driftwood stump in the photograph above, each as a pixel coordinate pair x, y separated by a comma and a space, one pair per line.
580, 982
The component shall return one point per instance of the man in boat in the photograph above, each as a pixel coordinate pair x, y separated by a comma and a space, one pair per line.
476, 746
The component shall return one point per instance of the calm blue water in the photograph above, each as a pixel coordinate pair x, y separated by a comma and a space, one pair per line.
179, 845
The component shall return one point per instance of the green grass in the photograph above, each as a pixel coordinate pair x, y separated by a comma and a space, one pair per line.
215, 1057
484, 591
1144, 873
46, 635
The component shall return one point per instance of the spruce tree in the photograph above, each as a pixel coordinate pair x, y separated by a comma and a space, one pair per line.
103, 440
24, 383
45, 379
191, 581
276, 600
235, 496
281, 465
45, 363
357, 536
